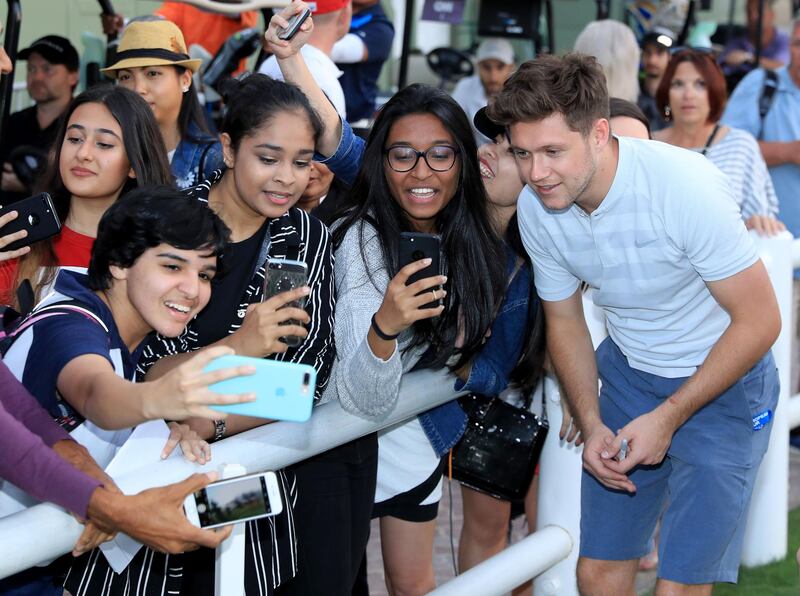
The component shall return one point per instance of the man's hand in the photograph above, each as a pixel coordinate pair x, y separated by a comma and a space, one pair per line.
79, 457
598, 452
649, 437
10, 182
764, 225
569, 426
281, 48
155, 517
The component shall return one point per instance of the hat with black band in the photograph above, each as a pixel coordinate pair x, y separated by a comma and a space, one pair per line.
151, 43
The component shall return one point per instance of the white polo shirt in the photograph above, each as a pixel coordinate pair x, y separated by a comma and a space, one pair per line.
667, 225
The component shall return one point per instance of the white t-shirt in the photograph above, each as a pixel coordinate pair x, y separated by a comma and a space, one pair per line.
667, 225
323, 69
471, 96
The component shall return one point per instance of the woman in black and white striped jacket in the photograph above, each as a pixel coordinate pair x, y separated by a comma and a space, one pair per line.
268, 139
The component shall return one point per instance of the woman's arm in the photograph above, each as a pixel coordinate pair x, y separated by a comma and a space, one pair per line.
90, 385
340, 149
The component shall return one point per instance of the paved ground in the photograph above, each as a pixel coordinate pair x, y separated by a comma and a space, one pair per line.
443, 555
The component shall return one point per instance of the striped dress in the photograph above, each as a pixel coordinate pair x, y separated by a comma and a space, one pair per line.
738, 156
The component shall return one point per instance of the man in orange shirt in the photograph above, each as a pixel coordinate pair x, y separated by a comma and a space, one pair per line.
201, 27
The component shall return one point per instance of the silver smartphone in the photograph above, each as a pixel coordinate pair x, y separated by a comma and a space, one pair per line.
234, 500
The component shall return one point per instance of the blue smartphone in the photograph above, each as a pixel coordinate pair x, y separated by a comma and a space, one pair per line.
284, 390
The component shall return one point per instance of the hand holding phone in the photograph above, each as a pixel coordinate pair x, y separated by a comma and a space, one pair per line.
414, 247
285, 275
284, 390
295, 22
234, 501
36, 216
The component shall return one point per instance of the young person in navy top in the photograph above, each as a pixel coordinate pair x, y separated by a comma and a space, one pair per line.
151, 269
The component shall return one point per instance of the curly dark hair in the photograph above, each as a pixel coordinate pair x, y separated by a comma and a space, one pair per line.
149, 216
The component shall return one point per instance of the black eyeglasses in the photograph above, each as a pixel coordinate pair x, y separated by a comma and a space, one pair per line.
439, 158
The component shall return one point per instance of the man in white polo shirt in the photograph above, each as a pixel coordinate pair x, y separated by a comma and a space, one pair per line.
688, 382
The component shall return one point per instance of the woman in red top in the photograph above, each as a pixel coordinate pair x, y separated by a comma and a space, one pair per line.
108, 143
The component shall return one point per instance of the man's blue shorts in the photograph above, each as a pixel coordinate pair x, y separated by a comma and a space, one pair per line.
703, 486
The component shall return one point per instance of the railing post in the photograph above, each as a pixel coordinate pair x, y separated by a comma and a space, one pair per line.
766, 536
229, 576
559, 498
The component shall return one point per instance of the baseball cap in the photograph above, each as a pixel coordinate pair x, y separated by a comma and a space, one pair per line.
55, 49
485, 126
660, 36
496, 49
326, 6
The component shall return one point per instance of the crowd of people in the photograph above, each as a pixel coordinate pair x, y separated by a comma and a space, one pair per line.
542, 182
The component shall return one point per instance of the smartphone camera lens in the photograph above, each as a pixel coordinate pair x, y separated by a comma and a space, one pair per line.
306, 379
418, 255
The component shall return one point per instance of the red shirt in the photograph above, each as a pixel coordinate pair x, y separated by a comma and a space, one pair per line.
72, 250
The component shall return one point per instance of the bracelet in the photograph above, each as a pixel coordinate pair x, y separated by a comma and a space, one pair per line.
380, 333
219, 430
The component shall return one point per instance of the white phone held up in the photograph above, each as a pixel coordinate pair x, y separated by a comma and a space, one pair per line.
234, 500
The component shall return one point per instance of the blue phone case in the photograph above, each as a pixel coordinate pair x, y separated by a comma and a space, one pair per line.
284, 390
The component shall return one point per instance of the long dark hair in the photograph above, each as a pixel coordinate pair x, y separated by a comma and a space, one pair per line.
144, 148
472, 251
530, 366
192, 113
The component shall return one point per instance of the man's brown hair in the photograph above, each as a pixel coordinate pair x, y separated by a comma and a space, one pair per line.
572, 85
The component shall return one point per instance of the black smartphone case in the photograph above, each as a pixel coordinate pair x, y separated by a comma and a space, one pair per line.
37, 215
415, 246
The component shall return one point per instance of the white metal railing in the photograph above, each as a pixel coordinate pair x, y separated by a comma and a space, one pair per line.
513, 566
549, 554
269, 447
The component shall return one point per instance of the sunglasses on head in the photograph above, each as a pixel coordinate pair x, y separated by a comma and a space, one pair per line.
679, 49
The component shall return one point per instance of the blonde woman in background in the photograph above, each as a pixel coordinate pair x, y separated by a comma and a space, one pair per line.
615, 47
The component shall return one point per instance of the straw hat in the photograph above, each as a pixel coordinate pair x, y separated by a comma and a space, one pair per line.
152, 43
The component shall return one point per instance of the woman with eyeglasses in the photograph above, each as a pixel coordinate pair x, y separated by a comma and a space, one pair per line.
419, 173
692, 95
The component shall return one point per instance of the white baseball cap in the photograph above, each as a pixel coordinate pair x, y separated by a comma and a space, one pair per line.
496, 48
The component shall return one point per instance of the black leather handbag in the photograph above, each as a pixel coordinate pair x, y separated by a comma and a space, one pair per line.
500, 448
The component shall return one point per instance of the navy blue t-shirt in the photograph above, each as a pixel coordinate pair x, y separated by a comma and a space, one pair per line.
360, 80
42, 351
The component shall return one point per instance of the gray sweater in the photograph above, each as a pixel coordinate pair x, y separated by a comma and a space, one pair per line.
364, 384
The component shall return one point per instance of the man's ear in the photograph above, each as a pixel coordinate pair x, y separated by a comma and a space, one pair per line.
601, 132
118, 273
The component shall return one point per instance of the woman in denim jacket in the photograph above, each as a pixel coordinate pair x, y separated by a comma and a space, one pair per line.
153, 61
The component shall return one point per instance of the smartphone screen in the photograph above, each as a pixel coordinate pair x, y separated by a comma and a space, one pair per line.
283, 275
230, 502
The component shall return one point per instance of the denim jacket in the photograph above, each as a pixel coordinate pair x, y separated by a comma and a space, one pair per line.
196, 149
445, 424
